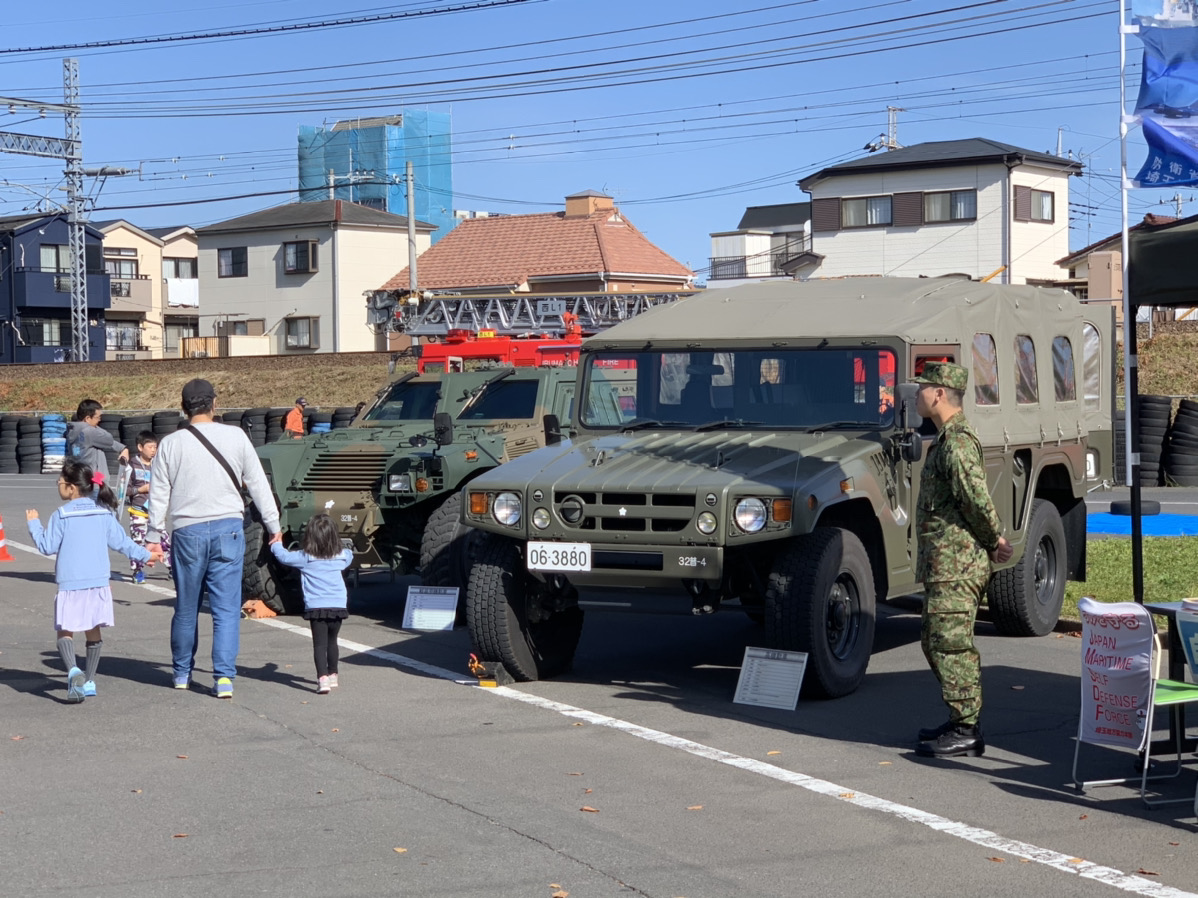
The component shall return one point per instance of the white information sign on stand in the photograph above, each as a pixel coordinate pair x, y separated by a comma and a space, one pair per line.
430, 608
770, 678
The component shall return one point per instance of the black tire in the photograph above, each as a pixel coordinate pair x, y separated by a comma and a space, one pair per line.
498, 600
448, 547
1025, 600
277, 585
820, 600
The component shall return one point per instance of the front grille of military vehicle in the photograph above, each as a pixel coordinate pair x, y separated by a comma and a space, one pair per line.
625, 512
346, 470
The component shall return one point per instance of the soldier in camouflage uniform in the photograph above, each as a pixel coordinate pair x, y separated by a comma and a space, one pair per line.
959, 535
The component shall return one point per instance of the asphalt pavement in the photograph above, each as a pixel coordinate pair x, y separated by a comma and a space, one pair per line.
634, 775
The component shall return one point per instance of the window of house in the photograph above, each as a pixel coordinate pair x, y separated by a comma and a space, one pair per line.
122, 336
1064, 377
44, 331
985, 370
120, 262
1027, 384
300, 257
1091, 366
950, 205
1042, 205
865, 212
302, 333
232, 262
55, 257
178, 267
120, 289
176, 329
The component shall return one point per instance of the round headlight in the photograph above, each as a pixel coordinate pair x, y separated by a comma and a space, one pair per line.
706, 522
750, 515
506, 509
540, 518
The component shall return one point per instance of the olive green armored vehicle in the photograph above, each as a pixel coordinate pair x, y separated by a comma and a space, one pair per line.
760, 444
391, 481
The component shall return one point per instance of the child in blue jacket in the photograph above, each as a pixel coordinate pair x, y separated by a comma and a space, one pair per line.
80, 533
321, 561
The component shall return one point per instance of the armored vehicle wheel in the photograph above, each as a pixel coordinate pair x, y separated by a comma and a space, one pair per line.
513, 617
1025, 600
820, 600
448, 547
264, 578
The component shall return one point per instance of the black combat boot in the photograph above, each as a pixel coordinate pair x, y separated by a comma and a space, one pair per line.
931, 735
960, 741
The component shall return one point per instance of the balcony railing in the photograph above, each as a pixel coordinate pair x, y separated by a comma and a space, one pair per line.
759, 265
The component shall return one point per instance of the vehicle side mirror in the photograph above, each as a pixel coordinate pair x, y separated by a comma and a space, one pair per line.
443, 428
553, 430
911, 447
904, 397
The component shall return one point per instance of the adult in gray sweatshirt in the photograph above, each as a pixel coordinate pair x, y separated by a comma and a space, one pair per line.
198, 501
87, 440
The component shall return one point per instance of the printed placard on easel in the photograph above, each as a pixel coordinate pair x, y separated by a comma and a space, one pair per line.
770, 678
430, 608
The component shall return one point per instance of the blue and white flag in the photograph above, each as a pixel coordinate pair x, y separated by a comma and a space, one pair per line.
1168, 100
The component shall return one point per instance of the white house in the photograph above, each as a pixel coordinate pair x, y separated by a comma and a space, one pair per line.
298, 274
976, 207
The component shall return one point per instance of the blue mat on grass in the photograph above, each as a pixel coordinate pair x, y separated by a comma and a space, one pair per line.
1153, 525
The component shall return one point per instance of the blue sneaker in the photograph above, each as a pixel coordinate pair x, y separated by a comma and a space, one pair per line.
223, 688
183, 682
75, 680
89, 689
139, 577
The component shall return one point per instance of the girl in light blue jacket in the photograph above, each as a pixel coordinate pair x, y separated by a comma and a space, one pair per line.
80, 533
321, 561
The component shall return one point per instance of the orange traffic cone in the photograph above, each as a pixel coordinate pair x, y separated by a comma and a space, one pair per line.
4, 553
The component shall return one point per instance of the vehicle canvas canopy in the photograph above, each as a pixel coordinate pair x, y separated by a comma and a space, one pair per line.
836, 348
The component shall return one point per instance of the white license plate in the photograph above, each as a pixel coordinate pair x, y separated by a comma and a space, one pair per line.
559, 556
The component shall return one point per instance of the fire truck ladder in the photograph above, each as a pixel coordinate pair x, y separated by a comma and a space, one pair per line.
510, 315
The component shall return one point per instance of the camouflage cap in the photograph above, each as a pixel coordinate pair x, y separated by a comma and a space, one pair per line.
943, 374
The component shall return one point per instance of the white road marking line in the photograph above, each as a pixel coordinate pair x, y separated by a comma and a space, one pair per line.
990, 840
985, 838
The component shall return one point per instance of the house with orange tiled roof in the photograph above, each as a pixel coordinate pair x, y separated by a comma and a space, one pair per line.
589, 248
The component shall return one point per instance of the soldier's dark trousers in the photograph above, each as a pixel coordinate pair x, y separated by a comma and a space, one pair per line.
949, 611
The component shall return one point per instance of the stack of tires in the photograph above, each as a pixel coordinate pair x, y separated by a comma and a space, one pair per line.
320, 422
54, 443
1181, 455
111, 422
253, 422
343, 416
29, 445
8, 445
1153, 418
232, 417
131, 426
163, 423
274, 423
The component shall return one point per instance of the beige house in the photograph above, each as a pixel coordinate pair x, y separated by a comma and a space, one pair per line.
299, 274
133, 323
180, 286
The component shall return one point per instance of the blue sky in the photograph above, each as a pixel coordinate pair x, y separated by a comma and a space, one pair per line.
685, 112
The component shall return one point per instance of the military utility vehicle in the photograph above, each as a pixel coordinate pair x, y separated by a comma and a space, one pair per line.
390, 481
761, 444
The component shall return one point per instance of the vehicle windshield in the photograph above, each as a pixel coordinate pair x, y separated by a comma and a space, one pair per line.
407, 401
821, 388
508, 399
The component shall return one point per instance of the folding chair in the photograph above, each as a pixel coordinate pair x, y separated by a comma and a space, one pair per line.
1121, 690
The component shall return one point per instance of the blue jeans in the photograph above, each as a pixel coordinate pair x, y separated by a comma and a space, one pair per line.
207, 556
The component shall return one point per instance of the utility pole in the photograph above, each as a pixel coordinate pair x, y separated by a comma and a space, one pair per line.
411, 184
892, 127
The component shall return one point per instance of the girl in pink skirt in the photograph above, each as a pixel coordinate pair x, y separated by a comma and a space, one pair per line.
80, 533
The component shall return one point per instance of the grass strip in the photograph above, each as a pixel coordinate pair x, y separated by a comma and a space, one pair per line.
1170, 571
